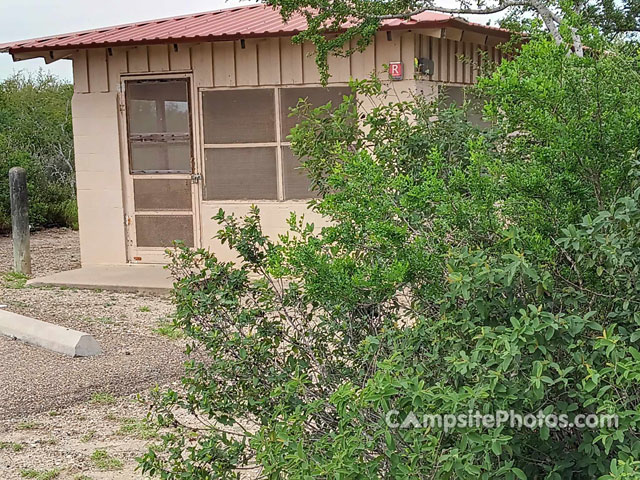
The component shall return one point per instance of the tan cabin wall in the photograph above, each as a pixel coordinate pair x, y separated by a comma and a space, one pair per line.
278, 61
262, 62
99, 178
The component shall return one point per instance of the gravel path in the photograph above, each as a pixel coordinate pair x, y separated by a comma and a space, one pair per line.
139, 352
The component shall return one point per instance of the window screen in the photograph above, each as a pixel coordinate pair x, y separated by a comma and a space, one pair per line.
245, 141
315, 96
241, 174
296, 180
454, 95
158, 117
239, 116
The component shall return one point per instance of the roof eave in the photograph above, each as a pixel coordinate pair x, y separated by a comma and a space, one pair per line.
452, 22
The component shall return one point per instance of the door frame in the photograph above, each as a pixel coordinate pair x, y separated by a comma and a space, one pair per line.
157, 255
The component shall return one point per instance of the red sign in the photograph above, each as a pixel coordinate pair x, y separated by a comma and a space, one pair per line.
396, 71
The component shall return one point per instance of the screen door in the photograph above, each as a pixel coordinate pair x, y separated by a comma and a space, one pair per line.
162, 185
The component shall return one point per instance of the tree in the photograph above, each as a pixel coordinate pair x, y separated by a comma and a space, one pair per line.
566, 22
456, 274
36, 133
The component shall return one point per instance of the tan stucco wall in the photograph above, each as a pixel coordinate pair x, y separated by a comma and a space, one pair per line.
270, 61
99, 178
274, 216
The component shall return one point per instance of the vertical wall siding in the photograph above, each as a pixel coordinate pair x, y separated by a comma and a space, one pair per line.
291, 70
138, 59
98, 73
277, 61
224, 64
269, 61
117, 64
158, 58
456, 61
80, 72
179, 57
246, 62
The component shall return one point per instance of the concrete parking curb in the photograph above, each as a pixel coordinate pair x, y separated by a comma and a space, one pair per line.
47, 335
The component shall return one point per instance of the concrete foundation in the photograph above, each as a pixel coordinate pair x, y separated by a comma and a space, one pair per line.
120, 278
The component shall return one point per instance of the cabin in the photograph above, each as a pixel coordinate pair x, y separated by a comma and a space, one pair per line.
176, 118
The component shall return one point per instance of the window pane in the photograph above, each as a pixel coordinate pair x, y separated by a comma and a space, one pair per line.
159, 125
161, 194
158, 106
163, 230
453, 95
316, 96
296, 181
160, 157
142, 116
177, 114
241, 174
239, 116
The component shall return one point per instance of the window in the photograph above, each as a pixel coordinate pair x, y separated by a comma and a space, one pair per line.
241, 174
159, 128
247, 153
239, 116
455, 95
296, 181
315, 96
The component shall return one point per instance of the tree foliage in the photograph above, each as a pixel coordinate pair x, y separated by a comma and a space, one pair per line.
353, 23
36, 134
463, 268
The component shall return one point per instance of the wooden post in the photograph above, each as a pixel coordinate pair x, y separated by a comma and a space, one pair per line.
20, 220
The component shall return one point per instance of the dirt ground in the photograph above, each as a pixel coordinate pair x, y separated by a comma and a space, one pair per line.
70, 418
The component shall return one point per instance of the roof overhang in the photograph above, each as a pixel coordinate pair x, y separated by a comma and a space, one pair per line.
253, 21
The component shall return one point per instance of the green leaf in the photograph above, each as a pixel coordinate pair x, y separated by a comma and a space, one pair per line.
519, 473
496, 448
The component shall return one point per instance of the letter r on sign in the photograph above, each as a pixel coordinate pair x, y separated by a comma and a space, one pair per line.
396, 71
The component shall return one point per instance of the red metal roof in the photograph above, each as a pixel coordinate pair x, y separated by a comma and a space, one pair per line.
232, 23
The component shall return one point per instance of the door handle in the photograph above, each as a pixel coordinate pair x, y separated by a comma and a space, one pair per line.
195, 178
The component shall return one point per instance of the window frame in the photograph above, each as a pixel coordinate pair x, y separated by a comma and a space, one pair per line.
156, 137
280, 142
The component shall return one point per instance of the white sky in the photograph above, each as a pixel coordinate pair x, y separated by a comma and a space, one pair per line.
23, 19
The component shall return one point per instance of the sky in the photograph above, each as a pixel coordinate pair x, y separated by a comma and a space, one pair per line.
24, 19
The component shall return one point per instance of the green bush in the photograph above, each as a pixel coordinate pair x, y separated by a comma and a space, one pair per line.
36, 134
464, 269
571, 131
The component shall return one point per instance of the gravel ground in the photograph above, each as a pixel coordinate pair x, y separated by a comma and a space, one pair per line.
138, 354
53, 250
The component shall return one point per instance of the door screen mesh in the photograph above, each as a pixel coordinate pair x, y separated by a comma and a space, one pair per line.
161, 230
161, 194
